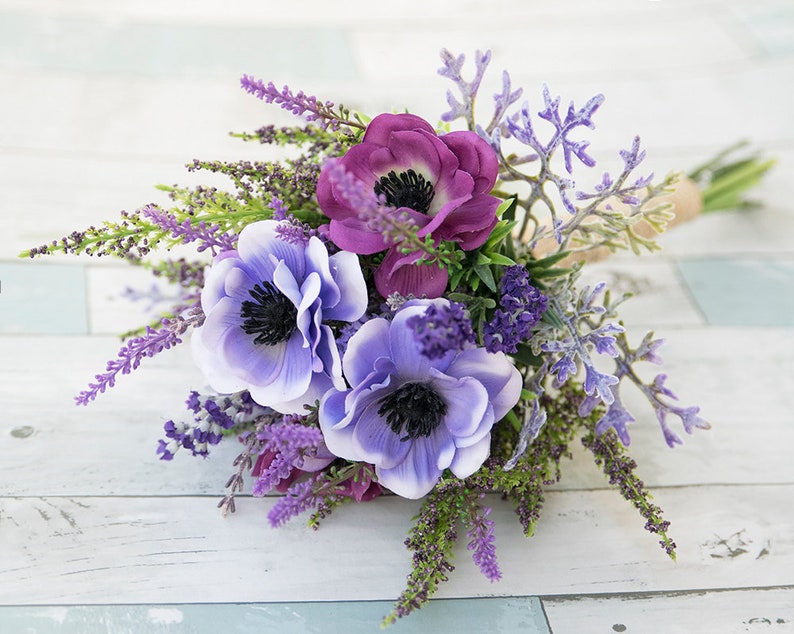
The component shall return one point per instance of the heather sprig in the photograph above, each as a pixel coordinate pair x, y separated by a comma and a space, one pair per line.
442, 329
482, 541
610, 455
432, 540
521, 307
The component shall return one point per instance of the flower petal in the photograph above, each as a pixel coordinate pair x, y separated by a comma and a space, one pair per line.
400, 273
381, 127
366, 346
349, 278
468, 459
475, 156
495, 371
374, 439
466, 400
260, 246
415, 476
292, 380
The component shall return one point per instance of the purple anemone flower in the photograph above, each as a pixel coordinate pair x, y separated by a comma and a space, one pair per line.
441, 184
265, 304
412, 416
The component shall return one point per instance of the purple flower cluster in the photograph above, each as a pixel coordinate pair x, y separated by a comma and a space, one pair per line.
442, 329
208, 237
482, 543
521, 307
212, 415
298, 103
288, 449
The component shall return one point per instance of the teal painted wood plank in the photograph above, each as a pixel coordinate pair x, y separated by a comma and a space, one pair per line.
85, 45
742, 291
42, 299
485, 616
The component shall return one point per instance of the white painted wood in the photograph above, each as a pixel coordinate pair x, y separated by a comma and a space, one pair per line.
721, 612
65, 550
108, 447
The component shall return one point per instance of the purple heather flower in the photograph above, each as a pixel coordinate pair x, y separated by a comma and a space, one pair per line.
265, 304
413, 417
440, 183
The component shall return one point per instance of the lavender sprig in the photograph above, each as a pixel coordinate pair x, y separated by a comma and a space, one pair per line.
300, 104
482, 541
290, 444
186, 231
139, 348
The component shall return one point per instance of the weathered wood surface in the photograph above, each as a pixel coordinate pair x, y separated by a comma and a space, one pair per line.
62, 550
88, 514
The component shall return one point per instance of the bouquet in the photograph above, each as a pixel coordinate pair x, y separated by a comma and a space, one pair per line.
396, 309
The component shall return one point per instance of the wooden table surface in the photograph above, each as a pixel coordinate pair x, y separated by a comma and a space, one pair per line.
102, 100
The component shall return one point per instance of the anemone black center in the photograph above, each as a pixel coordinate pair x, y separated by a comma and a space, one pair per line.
414, 409
271, 316
406, 189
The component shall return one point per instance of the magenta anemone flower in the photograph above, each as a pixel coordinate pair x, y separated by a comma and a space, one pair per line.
265, 305
441, 184
412, 416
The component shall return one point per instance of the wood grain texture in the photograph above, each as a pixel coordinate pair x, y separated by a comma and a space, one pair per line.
705, 612
62, 550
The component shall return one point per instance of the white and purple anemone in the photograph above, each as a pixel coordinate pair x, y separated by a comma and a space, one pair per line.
411, 416
265, 305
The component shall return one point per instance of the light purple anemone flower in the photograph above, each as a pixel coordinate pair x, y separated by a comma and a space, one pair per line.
265, 305
412, 416
441, 184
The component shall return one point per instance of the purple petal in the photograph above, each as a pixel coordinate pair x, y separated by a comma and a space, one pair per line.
381, 127
294, 377
415, 476
410, 363
475, 156
214, 283
375, 441
369, 343
260, 246
468, 459
318, 262
349, 279
216, 373
399, 273
338, 436
496, 373
254, 364
466, 400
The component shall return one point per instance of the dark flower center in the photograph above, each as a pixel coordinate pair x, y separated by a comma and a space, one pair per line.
271, 316
413, 407
406, 189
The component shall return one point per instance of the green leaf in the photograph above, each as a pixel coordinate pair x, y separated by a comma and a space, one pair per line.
507, 209
486, 275
502, 260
